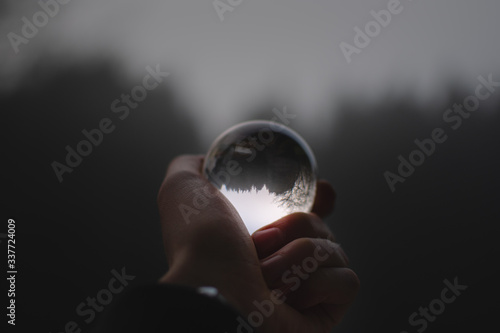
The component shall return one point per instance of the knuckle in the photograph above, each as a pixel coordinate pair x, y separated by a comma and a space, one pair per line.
305, 222
305, 245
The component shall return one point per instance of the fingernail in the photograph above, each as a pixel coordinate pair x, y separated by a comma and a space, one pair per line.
267, 240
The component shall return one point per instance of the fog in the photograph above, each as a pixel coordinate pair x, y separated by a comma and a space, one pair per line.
285, 50
406, 128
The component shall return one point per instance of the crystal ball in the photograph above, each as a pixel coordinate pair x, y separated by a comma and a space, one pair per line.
265, 169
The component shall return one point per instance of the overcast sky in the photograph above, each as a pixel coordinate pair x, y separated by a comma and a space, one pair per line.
284, 48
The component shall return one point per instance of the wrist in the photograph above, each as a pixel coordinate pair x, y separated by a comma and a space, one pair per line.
231, 288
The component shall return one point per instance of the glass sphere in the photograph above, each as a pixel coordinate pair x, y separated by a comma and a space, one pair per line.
265, 169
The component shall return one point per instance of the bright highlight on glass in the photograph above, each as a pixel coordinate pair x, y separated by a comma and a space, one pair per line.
265, 169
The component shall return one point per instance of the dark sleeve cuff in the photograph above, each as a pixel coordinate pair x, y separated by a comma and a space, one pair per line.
171, 308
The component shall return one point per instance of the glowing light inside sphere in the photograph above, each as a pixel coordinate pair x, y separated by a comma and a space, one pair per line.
265, 169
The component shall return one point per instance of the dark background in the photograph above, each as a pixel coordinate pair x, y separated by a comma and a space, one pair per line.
441, 223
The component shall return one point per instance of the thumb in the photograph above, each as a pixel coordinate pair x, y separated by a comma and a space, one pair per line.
192, 208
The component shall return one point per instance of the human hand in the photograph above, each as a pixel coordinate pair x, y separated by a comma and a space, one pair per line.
300, 258
212, 247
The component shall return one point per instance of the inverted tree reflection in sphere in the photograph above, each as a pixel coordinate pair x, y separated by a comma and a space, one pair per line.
265, 169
